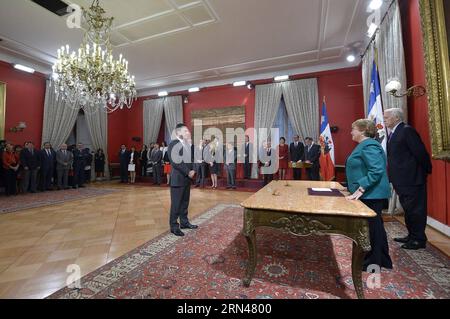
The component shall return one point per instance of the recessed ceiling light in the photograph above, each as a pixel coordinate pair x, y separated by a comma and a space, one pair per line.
240, 83
351, 58
375, 4
24, 68
281, 78
372, 29
193, 90
163, 93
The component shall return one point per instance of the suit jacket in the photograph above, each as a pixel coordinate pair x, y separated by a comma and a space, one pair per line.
297, 153
246, 151
366, 168
408, 160
48, 161
231, 159
61, 160
266, 156
180, 160
29, 160
199, 154
156, 157
313, 155
80, 158
124, 158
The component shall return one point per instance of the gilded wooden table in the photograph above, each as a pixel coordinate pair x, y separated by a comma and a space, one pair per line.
287, 206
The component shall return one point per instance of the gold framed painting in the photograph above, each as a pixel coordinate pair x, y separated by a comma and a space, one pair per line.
435, 16
2, 109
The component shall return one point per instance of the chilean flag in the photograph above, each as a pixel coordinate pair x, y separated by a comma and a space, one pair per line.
327, 160
375, 108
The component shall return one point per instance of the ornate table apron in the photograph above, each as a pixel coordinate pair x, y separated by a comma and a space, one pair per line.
304, 224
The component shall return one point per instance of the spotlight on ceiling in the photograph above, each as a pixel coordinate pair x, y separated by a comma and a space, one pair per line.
193, 90
240, 83
281, 78
375, 4
372, 29
163, 94
351, 58
23, 68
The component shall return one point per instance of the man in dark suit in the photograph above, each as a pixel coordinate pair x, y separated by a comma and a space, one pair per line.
48, 161
231, 165
312, 156
156, 160
79, 164
31, 163
124, 159
409, 165
180, 158
297, 153
247, 158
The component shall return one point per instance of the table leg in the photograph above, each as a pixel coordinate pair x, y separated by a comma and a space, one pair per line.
251, 266
357, 264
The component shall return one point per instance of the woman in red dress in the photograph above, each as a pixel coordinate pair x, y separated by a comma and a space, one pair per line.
283, 155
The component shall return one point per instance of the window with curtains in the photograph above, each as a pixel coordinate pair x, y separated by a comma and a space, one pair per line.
284, 125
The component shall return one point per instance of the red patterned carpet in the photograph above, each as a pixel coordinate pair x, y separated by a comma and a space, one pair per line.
21, 202
210, 262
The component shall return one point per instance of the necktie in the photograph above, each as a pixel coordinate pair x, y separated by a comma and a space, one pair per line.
48, 153
64, 153
389, 137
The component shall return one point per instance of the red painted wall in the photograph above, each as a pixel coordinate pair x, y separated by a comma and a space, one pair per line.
25, 94
439, 182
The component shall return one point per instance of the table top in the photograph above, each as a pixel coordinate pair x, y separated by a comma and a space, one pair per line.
293, 197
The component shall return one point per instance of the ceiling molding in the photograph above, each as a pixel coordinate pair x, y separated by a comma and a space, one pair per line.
255, 77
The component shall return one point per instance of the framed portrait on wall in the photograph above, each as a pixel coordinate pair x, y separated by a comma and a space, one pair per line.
435, 16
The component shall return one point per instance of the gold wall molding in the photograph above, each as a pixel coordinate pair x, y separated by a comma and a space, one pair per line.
2, 110
436, 49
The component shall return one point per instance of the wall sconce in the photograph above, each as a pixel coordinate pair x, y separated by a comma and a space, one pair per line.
185, 99
395, 86
19, 128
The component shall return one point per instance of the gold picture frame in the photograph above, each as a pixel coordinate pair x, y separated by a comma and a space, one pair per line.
2, 110
436, 47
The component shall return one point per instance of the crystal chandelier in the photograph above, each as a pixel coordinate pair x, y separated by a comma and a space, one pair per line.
91, 79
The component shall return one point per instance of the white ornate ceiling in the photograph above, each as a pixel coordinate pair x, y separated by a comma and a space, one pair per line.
174, 44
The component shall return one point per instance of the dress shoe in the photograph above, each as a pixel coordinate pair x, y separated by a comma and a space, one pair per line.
189, 226
177, 232
414, 245
402, 240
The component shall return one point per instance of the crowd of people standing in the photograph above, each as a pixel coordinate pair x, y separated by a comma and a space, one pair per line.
26, 169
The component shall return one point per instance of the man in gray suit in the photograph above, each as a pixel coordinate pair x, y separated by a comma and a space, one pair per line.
180, 158
200, 164
156, 160
64, 161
